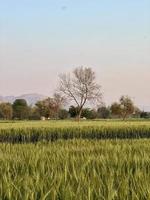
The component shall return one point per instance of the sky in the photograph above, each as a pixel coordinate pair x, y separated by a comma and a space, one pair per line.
39, 39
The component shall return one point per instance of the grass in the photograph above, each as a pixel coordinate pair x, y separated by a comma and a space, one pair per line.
76, 169
71, 123
26, 132
85, 161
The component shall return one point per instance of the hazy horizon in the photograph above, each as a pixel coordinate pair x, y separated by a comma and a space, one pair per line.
41, 39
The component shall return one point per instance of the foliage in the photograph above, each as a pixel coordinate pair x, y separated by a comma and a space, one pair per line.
124, 108
34, 114
145, 115
6, 111
86, 112
103, 112
20, 109
50, 107
89, 113
116, 109
73, 111
63, 114
45, 107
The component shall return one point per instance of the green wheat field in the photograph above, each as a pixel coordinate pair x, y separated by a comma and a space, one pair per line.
67, 160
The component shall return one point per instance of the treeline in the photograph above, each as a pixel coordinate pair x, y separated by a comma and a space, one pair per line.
53, 108
77, 88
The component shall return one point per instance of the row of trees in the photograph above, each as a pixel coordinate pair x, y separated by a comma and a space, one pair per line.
52, 108
48, 108
78, 88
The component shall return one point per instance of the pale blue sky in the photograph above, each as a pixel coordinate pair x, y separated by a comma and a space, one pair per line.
39, 39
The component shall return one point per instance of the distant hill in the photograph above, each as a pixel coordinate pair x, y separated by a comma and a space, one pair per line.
30, 98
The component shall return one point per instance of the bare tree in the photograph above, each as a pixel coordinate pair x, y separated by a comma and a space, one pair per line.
80, 87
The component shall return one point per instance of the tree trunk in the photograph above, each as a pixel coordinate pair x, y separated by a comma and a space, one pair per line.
79, 115
124, 117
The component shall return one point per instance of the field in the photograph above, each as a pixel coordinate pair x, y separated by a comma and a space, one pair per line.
31, 131
77, 169
95, 162
72, 123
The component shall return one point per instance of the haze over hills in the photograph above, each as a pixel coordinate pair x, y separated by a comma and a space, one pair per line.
30, 98
34, 97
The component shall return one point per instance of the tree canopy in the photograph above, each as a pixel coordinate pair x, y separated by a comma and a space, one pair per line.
124, 108
80, 86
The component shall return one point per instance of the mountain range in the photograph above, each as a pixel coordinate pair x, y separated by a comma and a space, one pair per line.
30, 98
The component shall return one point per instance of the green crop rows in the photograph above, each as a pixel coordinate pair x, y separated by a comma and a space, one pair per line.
26, 132
66, 160
76, 169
